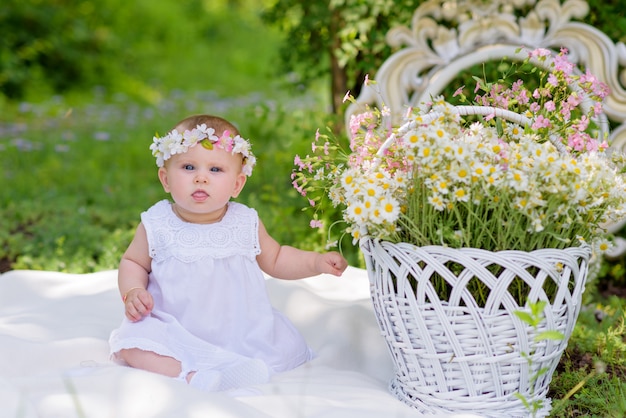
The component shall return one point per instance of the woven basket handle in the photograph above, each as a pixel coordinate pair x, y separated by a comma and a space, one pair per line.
464, 111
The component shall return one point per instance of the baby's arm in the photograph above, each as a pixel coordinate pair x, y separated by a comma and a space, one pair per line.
132, 278
285, 262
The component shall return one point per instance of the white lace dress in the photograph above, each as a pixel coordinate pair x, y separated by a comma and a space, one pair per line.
211, 308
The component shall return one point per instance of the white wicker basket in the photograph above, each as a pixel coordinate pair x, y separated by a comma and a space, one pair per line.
455, 356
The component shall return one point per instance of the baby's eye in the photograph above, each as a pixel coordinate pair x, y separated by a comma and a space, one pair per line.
188, 167
216, 169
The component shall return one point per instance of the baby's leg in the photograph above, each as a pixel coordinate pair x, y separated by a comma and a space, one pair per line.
151, 361
168, 366
244, 372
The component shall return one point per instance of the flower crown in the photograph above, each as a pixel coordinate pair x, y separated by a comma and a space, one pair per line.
178, 143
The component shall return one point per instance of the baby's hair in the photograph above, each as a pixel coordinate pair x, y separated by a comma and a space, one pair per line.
219, 124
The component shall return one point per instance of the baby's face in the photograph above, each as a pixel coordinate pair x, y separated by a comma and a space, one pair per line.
201, 181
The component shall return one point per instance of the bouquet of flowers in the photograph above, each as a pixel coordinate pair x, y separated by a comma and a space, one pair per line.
441, 178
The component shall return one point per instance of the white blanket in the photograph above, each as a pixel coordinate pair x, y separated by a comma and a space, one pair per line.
54, 355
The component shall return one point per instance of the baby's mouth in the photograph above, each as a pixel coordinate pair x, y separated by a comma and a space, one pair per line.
200, 195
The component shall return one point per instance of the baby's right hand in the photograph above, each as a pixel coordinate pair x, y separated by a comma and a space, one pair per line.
138, 304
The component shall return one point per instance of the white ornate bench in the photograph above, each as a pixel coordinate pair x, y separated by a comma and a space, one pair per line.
449, 36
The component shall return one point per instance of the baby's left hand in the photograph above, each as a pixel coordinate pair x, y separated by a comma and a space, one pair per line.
331, 263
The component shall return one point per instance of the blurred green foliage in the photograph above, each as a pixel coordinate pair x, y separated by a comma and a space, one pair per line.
52, 45
343, 39
138, 48
609, 16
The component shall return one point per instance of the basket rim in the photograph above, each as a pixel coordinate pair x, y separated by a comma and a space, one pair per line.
574, 248
466, 110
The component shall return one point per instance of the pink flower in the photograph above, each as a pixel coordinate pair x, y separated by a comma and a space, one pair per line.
582, 123
357, 122
561, 63
553, 80
592, 145
550, 106
316, 223
298, 187
522, 97
298, 161
603, 146
541, 122
539, 52
597, 108
566, 113
577, 141
226, 141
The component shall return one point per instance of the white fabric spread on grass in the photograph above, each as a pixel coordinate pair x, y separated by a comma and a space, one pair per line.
54, 355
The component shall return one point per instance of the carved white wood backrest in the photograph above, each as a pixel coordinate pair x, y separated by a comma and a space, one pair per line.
448, 36
433, 51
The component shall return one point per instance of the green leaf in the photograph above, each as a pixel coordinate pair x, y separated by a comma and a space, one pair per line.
537, 307
550, 335
523, 399
525, 316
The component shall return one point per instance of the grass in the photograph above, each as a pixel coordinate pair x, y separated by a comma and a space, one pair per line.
79, 177
591, 378
77, 172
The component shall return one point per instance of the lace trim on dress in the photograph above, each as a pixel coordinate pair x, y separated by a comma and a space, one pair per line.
169, 236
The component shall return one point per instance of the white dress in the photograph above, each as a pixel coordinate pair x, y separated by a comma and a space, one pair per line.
211, 308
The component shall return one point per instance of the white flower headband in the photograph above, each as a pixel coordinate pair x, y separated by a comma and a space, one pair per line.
177, 143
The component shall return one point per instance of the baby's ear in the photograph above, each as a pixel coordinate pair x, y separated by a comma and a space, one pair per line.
163, 179
239, 183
